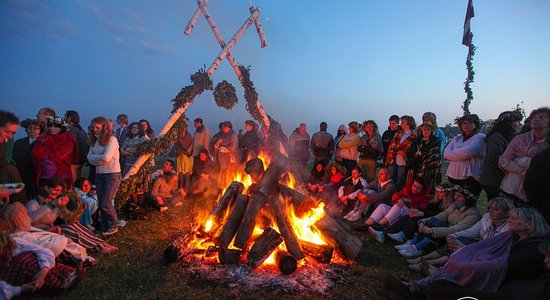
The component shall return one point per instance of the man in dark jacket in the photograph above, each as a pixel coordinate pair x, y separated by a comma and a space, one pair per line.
298, 148
387, 136
322, 145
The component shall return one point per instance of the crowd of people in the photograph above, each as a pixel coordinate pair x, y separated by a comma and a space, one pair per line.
388, 184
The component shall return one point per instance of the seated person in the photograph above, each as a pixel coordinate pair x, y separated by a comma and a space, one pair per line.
334, 176
204, 175
167, 166
432, 231
88, 195
51, 205
490, 265
491, 224
407, 226
166, 191
377, 192
348, 191
15, 220
415, 195
29, 268
316, 177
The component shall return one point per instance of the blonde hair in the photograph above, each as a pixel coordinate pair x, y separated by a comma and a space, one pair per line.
537, 224
16, 218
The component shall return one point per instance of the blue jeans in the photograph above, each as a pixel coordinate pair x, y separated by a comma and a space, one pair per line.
107, 186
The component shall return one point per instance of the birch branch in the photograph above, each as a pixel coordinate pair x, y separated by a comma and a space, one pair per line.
259, 29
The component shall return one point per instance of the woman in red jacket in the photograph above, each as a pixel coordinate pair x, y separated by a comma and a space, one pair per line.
54, 152
415, 195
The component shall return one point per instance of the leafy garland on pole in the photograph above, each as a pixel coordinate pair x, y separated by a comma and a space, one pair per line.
470, 77
201, 82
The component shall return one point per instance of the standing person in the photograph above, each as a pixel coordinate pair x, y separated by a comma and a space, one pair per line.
348, 147
42, 114
250, 142
369, 149
213, 143
73, 118
465, 153
517, 157
184, 157
128, 150
201, 137
8, 126
430, 117
502, 131
104, 154
536, 184
227, 149
341, 132
22, 149
298, 148
387, 136
122, 131
426, 159
149, 132
396, 159
322, 145
55, 152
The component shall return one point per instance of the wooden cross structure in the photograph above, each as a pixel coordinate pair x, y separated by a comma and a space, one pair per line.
225, 53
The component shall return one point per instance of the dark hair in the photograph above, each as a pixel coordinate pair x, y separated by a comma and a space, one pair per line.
356, 168
410, 121
204, 151
540, 110
75, 117
80, 181
149, 129
374, 125
251, 123
394, 118
220, 125
28, 122
473, 118
48, 110
503, 125
354, 126
52, 182
198, 120
122, 118
171, 162
140, 130
432, 116
7, 117
227, 124
323, 126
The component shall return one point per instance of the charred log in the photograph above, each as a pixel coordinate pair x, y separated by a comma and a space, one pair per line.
283, 224
338, 237
320, 253
233, 221
234, 189
266, 243
286, 263
229, 256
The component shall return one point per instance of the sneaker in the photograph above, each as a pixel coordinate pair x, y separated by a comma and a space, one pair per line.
410, 252
402, 246
377, 235
90, 227
355, 217
121, 223
163, 208
398, 237
404, 289
110, 231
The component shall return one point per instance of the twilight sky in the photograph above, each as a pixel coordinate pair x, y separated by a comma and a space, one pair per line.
334, 61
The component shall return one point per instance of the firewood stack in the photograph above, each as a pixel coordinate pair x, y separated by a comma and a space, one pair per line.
236, 215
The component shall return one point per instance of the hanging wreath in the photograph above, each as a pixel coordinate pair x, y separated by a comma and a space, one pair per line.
225, 95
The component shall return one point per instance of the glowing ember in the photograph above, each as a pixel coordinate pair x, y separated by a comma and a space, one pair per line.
208, 225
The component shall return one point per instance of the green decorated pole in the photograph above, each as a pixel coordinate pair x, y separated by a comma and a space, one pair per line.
470, 77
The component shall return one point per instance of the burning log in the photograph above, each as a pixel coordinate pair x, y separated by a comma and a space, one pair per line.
320, 253
229, 256
265, 187
337, 236
233, 221
283, 224
234, 189
266, 243
285, 262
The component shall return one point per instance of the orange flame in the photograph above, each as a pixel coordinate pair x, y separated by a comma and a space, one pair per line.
303, 227
208, 225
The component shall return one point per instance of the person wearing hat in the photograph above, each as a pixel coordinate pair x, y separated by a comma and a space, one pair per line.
462, 214
55, 151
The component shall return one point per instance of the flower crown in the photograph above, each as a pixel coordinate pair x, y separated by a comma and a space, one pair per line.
57, 122
464, 191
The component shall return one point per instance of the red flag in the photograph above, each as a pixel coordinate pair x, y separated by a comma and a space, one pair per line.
466, 37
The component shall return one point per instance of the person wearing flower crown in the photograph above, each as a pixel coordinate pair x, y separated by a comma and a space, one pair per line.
55, 151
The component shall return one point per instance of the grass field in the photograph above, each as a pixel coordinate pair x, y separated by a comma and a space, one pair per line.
137, 270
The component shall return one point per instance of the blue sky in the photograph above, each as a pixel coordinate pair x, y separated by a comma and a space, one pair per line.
334, 61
